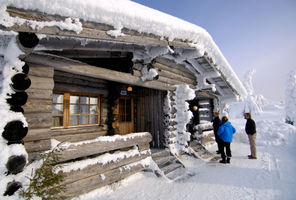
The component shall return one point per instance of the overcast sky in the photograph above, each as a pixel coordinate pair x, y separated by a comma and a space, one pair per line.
252, 34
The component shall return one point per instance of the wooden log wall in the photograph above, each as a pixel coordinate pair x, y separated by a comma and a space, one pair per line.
169, 73
102, 172
38, 110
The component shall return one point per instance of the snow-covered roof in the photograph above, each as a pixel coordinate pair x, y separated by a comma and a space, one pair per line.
124, 14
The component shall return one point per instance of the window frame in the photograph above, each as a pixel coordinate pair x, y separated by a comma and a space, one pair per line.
66, 109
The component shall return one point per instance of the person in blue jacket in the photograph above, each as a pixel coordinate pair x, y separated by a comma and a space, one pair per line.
225, 132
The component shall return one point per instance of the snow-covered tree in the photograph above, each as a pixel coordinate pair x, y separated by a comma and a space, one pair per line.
291, 99
253, 101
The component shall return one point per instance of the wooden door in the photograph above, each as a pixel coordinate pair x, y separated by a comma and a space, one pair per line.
126, 115
150, 115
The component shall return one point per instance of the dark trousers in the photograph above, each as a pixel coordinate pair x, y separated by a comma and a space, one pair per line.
219, 142
225, 145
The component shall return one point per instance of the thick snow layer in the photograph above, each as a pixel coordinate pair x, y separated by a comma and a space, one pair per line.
183, 93
98, 139
124, 14
271, 176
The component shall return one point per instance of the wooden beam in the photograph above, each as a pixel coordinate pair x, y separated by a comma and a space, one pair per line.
75, 67
171, 66
100, 168
87, 149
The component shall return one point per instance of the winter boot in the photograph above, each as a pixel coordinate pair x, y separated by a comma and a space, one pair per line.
228, 160
223, 161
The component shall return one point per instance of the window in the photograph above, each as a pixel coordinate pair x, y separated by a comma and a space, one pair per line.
73, 109
125, 110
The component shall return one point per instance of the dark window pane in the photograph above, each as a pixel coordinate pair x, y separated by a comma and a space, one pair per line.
83, 109
84, 100
125, 114
57, 121
73, 120
93, 119
83, 119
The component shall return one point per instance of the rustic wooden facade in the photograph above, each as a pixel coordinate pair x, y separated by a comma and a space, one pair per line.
94, 65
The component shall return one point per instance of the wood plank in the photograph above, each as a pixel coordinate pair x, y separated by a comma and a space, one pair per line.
40, 70
77, 130
170, 65
79, 137
71, 75
37, 134
95, 72
38, 146
38, 106
38, 120
78, 81
41, 82
64, 87
87, 149
172, 75
34, 93
100, 180
99, 168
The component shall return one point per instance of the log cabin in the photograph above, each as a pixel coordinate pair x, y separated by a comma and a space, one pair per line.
109, 92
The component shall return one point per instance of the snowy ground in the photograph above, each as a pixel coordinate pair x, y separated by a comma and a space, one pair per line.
271, 176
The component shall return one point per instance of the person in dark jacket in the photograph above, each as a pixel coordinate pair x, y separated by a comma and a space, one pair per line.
225, 132
216, 123
252, 134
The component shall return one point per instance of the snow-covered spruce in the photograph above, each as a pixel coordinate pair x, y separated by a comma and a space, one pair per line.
291, 99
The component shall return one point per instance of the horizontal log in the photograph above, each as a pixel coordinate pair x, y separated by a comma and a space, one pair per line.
87, 149
37, 134
77, 81
100, 180
37, 146
40, 70
181, 76
79, 137
99, 168
166, 80
34, 93
77, 130
71, 75
95, 72
170, 65
76, 88
38, 120
38, 106
41, 82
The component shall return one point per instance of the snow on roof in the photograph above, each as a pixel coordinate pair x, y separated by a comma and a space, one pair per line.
127, 14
